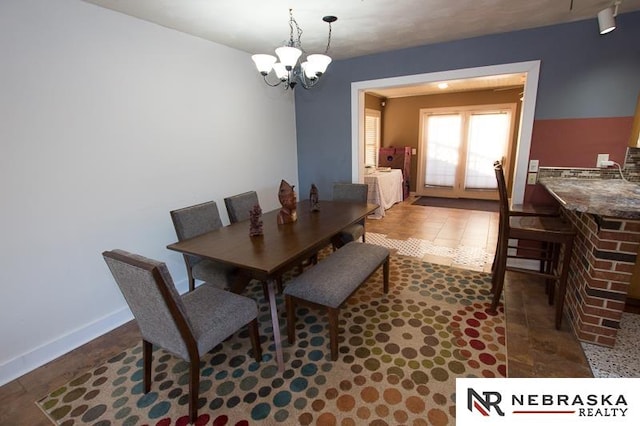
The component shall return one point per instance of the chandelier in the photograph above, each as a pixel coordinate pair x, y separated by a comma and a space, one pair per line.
290, 71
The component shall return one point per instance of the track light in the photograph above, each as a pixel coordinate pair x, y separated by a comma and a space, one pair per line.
606, 18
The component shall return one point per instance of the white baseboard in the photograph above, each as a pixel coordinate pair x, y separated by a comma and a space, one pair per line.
39, 356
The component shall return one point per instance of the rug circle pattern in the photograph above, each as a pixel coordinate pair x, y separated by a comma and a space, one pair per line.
399, 356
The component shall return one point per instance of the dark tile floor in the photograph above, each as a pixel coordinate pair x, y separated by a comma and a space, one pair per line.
534, 347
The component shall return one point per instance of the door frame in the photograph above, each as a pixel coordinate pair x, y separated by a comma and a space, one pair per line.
523, 144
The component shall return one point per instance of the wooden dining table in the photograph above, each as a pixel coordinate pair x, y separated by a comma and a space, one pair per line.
280, 248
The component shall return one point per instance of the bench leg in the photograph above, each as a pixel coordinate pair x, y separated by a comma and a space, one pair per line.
333, 314
385, 275
291, 318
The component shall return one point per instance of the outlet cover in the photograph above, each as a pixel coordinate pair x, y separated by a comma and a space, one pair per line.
601, 158
533, 165
532, 178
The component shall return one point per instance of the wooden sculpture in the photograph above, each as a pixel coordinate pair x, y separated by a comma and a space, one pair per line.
313, 198
255, 221
287, 197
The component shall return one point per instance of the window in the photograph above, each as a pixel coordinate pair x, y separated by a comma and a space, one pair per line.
488, 141
459, 145
372, 120
444, 140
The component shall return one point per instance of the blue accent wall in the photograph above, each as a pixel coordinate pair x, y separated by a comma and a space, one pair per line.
582, 75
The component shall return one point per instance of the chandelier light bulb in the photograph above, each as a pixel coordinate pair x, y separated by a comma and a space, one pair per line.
308, 70
320, 62
288, 56
264, 63
281, 71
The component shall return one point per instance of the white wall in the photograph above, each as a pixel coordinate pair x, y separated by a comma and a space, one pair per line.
107, 123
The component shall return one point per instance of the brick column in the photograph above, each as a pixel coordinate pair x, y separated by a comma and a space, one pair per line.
601, 267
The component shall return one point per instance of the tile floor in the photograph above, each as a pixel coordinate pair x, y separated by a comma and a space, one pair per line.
443, 236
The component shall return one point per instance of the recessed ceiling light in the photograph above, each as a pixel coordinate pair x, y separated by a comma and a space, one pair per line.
443, 85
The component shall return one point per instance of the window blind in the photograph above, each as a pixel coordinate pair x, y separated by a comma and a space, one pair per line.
371, 137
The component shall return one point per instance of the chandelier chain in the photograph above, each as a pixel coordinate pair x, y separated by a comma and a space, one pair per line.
326, 50
293, 23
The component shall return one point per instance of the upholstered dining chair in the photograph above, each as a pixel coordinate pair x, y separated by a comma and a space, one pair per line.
186, 326
350, 192
546, 239
239, 206
196, 220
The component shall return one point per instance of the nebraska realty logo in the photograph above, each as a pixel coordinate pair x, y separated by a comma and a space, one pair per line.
552, 401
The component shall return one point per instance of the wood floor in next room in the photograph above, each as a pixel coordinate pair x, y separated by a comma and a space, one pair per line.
534, 347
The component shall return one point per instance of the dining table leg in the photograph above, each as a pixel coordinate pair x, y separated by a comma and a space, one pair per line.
271, 290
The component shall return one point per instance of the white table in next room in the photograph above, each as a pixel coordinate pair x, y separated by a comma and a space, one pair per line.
385, 189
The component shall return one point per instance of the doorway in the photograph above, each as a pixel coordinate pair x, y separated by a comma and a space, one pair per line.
458, 147
530, 68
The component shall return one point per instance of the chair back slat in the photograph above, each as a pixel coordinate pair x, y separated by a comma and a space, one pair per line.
150, 293
239, 206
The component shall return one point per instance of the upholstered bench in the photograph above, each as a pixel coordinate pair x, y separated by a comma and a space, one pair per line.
329, 283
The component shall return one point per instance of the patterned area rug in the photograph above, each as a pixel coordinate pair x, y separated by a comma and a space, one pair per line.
399, 356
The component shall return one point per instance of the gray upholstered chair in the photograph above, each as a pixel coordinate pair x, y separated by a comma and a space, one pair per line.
196, 220
186, 326
239, 206
350, 192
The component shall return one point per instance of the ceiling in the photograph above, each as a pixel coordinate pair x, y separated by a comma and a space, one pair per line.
495, 82
363, 26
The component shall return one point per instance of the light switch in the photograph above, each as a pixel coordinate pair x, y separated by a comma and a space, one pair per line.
532, 178
413, 151
533, 165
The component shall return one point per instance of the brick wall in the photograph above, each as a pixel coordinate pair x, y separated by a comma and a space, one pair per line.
601, 267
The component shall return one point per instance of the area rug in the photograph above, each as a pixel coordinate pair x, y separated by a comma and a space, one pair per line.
458, 203
399, 356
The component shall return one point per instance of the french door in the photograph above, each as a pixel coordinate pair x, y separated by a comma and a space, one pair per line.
459, 146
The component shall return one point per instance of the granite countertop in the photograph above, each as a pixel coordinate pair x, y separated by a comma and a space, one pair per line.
603, 197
